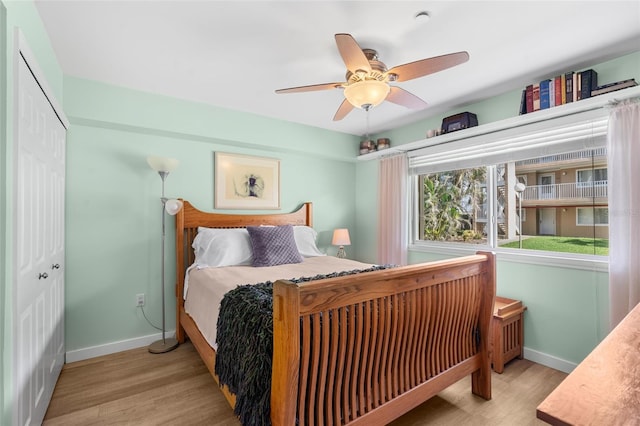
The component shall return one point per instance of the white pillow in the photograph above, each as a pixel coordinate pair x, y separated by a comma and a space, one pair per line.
222, 247
305, 237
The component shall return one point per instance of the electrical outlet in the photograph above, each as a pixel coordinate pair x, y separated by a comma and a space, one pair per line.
140, 299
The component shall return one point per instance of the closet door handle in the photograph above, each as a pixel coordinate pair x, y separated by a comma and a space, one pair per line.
43, 275
55, 266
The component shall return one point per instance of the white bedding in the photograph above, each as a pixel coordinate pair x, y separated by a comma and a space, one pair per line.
207, 286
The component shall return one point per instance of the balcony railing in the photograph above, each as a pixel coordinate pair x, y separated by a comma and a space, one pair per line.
569, 156
597, 189
567, 191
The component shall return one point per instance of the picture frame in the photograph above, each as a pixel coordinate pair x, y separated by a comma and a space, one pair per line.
246, 182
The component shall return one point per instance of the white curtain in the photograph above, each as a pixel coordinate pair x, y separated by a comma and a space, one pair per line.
623, 146
392, 210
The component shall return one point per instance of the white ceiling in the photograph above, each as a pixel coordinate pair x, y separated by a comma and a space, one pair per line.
235, 54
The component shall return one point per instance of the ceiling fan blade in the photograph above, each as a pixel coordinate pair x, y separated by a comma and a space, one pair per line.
406, 99
311, 88
352, 54
428, 66
344, 109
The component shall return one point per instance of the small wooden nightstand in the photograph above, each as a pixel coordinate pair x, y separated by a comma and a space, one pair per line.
508, 332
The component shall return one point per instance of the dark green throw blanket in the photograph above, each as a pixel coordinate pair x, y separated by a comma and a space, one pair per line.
245, 345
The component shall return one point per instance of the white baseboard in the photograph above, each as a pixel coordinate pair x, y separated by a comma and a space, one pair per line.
111, 348
138, 342
549, 360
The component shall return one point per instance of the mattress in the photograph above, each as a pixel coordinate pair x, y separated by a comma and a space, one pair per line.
207, 286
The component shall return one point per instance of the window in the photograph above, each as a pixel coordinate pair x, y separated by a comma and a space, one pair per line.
591, 177
589, 216
465, 191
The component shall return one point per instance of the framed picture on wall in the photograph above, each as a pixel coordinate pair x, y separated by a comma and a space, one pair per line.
246, 182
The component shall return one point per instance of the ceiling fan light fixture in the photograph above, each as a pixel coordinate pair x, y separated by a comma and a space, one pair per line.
366, 94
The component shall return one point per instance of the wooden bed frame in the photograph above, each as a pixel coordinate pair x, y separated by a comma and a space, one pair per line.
364, 348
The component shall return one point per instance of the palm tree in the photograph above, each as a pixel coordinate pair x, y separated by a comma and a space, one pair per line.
451, 202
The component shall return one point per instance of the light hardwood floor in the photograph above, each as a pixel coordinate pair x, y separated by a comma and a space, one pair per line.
139, 388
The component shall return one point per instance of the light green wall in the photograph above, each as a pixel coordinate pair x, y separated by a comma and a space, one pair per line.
95, 104
568, 308
113, 218
20, 14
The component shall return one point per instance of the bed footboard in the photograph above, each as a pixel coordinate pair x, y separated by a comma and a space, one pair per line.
372, 346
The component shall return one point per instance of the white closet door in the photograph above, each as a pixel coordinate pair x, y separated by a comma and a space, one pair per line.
39, 255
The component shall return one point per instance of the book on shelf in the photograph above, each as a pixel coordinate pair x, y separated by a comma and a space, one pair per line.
557, 93
612, 87
536, 96
523, 103
544, 94
529, 97
565, 88
568, 78
588, 83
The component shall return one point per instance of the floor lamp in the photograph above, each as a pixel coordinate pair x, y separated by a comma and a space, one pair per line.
163, 166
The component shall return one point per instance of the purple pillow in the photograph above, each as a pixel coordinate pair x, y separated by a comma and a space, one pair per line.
273, 245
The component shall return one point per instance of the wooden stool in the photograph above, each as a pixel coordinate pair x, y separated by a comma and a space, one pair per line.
508, 332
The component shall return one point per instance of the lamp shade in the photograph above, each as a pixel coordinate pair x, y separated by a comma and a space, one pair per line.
519, 187
341, 237
367, 92
173, 206
162, 164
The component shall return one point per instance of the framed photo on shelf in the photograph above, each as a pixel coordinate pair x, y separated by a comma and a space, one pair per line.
246, 182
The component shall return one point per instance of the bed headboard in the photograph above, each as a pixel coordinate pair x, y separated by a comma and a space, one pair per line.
190, 218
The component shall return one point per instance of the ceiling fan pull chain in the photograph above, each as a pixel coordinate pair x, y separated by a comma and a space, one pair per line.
366, 111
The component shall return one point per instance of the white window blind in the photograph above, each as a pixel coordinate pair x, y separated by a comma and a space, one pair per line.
575, 132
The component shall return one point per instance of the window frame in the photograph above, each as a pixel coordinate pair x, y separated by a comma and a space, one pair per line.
442, 159
592, 208
589, 183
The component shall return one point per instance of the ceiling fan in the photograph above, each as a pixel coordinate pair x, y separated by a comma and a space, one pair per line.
368, 79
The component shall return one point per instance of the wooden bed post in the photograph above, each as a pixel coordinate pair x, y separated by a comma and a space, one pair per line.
481, 379
286, 353
180, 268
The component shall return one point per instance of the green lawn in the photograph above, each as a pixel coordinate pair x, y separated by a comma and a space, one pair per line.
564, 244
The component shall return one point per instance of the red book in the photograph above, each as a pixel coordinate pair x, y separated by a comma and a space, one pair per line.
558, 89
536, 96
529, 98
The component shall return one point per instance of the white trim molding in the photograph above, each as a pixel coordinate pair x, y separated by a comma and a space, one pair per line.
549, 360
113, 347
